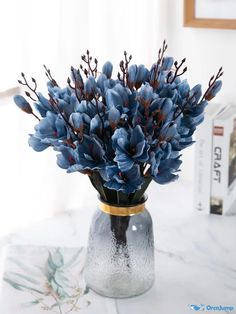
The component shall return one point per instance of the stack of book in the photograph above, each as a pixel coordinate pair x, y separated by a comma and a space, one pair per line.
215, 161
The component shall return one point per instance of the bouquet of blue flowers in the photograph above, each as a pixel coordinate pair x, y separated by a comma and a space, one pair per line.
122, 132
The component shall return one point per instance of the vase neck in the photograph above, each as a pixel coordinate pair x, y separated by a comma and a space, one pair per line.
122, 210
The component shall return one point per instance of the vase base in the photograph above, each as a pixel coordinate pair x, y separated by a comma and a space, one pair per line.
120, 293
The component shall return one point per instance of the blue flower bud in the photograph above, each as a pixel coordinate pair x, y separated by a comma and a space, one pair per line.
107, 69
146, 92
76, 121
214, 90
90, 86
167, 106
37, 144
197, 92
153, 74
23, 104
100, 82
76, 76
142, 76
132, 73
95, 124
167, 63
113, 116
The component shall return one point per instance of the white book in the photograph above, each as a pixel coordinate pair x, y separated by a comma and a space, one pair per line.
223, 168
202, 162
40, 279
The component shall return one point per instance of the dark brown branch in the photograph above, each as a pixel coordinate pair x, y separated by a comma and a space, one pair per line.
156, 67
29, 95
161, 53
124, 65
171, 79
35, 116
90, 70
183, 107
212, 81
77, 86
49, 76
32, 89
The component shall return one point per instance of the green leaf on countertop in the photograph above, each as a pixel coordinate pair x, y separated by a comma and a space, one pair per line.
86, 290
60, 279
57, 258
29, 279
21, 287
13, 284
32, 303
58, 289
27, 269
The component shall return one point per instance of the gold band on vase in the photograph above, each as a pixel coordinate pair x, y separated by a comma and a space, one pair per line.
122, 210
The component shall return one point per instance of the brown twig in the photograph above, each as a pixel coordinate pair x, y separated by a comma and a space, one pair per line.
32, 89
183, 107
171, 79
90, 70
161, 53
77, 86
124, 65
211, 83
49, 76
155, 70
35, 116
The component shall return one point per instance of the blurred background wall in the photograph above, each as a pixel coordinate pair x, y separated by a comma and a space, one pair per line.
57, 33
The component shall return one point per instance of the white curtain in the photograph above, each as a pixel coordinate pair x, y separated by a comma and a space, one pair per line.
57, 33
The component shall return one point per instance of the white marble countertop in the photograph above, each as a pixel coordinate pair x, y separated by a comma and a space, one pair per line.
195, 253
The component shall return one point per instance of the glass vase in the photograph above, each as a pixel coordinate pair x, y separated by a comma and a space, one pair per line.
120, 256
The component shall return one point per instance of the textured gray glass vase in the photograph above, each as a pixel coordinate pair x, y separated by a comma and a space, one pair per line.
120, 256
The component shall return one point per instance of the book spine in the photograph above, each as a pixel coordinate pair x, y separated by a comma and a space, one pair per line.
219, 167
230, 203
202, 176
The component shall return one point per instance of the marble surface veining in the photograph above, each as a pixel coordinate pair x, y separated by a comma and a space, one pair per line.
195, 253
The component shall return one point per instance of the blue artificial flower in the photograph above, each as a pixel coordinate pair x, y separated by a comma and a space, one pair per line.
167, 64
107, 69
22, 103
166, 170
91, 154
37, 144
90, 88
183, 90
77, 121
76, 77
122, 131
213, 90
117, 97
130, 147
137, 75
67, 158
126, 182
113, 117
43, 106
51, 130
145, 95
